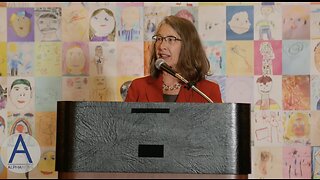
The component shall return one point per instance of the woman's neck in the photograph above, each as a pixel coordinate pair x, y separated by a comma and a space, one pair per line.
170, 81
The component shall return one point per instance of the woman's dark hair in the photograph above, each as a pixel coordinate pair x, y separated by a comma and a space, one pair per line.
193, 63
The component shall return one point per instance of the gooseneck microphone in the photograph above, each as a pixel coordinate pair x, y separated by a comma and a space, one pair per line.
162, 65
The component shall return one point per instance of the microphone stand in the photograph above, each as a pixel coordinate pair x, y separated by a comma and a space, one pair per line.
161, 65
193, 87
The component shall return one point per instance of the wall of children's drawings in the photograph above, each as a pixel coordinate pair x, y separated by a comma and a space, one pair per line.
266, 54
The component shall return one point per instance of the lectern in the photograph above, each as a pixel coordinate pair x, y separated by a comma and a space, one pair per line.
153, 140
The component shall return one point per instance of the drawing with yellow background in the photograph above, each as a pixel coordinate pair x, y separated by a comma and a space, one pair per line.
297, 128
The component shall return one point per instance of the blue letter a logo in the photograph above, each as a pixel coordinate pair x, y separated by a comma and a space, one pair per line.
25, 150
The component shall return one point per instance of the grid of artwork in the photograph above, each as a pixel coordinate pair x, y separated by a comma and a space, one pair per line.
265, 54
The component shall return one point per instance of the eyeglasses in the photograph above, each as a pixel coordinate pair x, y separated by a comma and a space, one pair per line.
169, 39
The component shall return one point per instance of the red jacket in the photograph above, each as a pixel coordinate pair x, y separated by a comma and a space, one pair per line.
148, 89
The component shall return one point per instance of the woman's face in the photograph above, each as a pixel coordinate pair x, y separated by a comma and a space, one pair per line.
169, 51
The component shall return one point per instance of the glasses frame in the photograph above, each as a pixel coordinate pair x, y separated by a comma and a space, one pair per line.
158, 38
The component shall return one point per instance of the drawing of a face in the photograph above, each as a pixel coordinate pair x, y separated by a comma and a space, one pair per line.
48, 23
100, 82
266, 10
75, 60
296, 23
99, 51
20, 93
240, 23
130, 17
47, 163
79, 83
264, 84
20, 23
102, 23
298, 127
76, 23
265, 88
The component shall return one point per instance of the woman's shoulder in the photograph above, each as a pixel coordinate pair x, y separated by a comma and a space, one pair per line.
211, 89
207, 83
142, 80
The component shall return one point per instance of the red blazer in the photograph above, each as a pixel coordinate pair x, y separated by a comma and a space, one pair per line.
148, 89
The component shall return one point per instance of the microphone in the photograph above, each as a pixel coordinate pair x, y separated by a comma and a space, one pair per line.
162, 65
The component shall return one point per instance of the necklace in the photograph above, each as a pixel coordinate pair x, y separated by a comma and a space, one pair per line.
170, 88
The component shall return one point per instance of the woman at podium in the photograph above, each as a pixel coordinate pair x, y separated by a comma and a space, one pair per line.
178, 67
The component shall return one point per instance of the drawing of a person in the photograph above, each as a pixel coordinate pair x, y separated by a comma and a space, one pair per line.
275, 127
267, 58
77, 88
151, 27
20, 93
265, 24
75, 61
298, 129
264, 87
14, 63
46, 163
99, 59
48, 24
296, 164
296, 23
240, 22
102, 25
100, 91
75, 23
265, 162
130, 24
21, 23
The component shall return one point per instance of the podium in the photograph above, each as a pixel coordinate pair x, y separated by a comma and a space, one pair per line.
153, 140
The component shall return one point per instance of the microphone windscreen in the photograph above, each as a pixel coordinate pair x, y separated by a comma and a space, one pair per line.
158, 63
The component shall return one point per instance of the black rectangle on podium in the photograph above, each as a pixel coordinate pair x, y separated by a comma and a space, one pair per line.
195, 138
